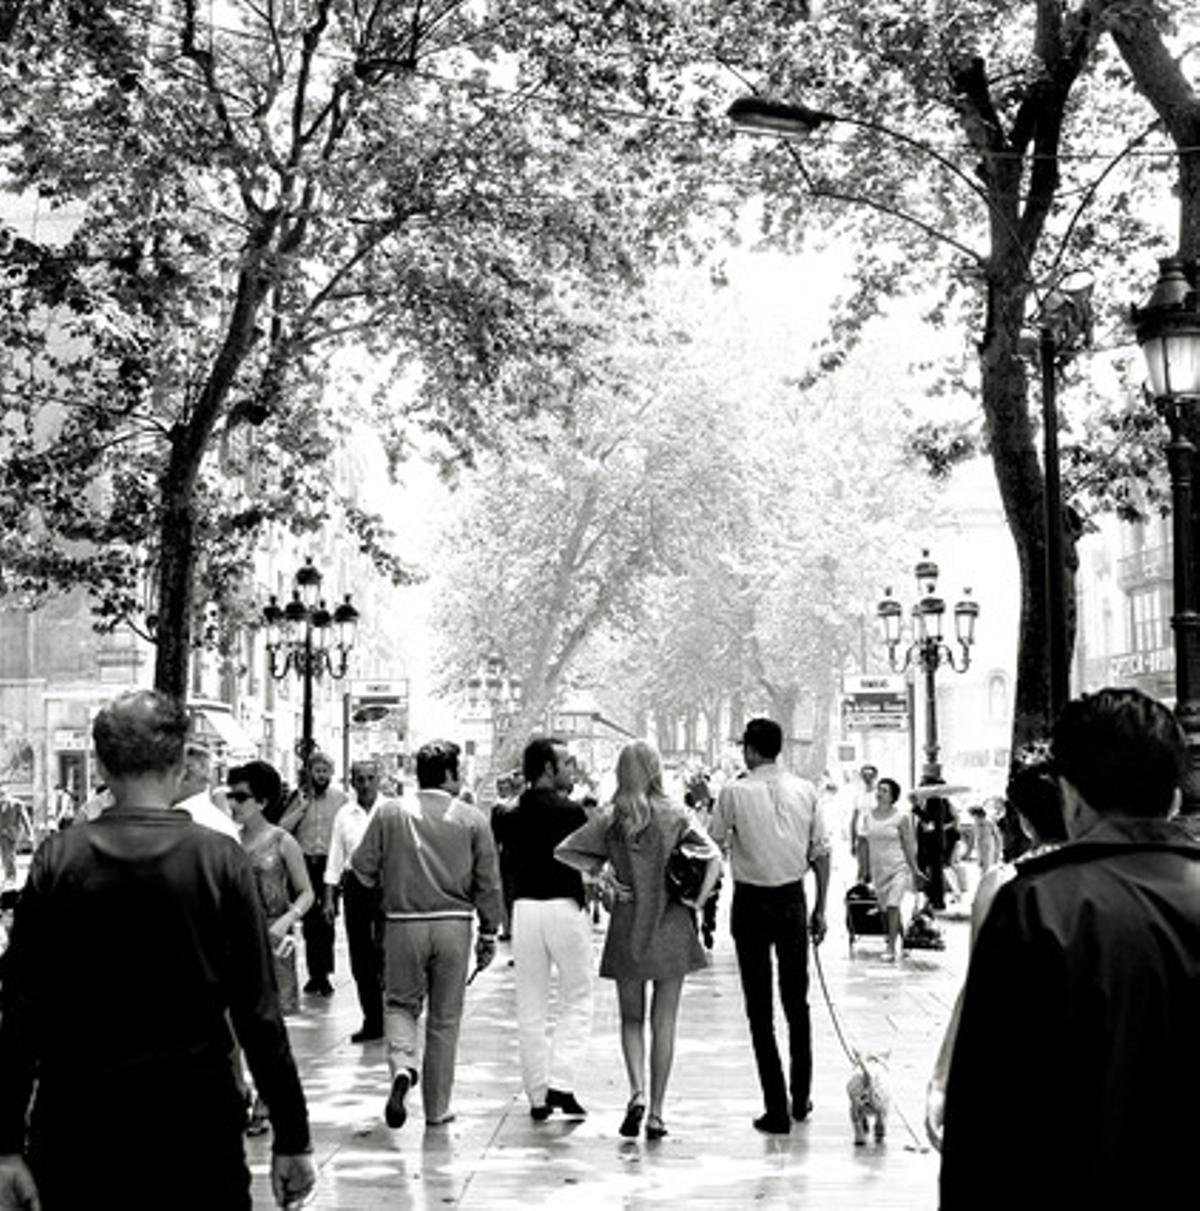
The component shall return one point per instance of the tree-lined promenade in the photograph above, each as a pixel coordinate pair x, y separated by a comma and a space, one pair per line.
450, 226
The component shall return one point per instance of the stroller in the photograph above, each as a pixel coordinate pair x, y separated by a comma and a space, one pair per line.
864, 917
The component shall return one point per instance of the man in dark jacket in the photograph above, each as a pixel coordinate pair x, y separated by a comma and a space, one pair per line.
551, 930
137, 940
1076, 1050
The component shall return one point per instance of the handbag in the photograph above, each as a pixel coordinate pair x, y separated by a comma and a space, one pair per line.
685, 874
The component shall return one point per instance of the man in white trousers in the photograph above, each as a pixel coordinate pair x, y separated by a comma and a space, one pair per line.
551, 931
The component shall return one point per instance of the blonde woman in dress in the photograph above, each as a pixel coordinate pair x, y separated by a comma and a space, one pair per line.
652, 937
892, 846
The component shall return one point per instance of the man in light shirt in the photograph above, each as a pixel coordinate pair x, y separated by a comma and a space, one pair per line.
772, 827
194, 796
364, 917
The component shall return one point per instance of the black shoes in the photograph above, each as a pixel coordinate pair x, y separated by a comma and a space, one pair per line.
656, 1129
394, 1113
540, 1114
800, 1114
631, 1124
367, 1034
771, 1124
319, 985
556, 1099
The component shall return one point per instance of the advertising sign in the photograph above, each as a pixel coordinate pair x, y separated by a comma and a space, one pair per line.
874, 702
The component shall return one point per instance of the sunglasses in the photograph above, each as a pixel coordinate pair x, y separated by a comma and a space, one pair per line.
239, 796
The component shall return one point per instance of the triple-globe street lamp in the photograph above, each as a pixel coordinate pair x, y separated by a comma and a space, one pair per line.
1168, 330
305, 638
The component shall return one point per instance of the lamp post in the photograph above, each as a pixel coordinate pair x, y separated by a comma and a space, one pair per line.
1168, 330
929, 651
305, 638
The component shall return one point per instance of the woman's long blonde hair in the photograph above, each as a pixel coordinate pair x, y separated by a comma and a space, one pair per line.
639, 784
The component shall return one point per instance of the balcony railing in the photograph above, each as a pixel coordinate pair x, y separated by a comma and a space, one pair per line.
1150, 565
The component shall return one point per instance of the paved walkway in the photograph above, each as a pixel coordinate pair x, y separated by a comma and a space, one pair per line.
493, 1156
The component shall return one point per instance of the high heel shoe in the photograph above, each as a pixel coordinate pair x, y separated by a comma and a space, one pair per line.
631, 1124
655, 1128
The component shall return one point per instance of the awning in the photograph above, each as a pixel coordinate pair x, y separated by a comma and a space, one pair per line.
219, 728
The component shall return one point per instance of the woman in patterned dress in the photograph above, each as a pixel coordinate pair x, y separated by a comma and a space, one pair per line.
652, 937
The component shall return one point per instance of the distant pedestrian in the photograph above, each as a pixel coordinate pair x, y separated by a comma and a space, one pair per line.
194, 794
159, 941
773, 829
552, 934
892, 851
1079, 1014
309, 817
364, 915
861, 807
651, 936
14, 823
434, 859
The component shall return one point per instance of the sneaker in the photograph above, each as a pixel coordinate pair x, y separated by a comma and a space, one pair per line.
556, 1099
394, 1113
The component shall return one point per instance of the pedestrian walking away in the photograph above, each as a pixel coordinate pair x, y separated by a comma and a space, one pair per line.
1079, 1012
309, 816
433, 858
652, 937
159, 944
552, 933
774, 831
364, 915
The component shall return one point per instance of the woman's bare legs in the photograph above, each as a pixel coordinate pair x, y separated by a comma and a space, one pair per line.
894, 930
631, 1000
664, 1013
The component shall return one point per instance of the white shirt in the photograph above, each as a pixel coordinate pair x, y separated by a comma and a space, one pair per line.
204, 811
348, 827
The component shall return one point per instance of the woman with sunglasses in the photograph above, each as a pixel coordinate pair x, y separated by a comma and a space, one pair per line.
279, 871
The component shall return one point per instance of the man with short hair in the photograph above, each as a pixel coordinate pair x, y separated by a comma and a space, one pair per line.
771, 825
309, 817
434, 859
155, 923
551, 931
1078, 1023
860, 811
194, 796
364, 919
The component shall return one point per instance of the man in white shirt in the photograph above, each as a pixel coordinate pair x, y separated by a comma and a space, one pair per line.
193, 795
364, 916
772, 827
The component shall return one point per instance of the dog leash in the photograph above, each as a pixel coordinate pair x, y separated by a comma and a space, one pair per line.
852, 1055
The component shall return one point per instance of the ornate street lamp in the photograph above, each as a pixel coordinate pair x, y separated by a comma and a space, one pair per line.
303, 637
1168, 330
928, 650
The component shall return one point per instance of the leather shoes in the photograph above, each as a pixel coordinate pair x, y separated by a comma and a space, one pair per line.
367, 1034
556, 1099
540, 1114
800, 1114
394, 1113
773, 1125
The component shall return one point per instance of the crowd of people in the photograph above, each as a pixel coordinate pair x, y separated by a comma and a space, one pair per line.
178, 909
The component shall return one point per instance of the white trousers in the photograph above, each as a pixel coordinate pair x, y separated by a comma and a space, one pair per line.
546, 934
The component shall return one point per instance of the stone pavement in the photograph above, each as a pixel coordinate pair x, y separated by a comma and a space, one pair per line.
493, 1156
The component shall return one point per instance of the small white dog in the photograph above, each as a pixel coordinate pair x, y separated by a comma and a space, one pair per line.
869, 1096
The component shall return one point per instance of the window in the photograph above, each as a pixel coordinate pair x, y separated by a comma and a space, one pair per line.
1148, 612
